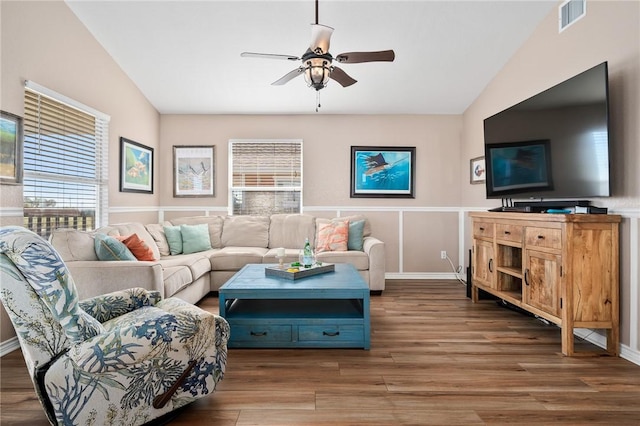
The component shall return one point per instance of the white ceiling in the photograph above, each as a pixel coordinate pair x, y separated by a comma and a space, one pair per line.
185, 55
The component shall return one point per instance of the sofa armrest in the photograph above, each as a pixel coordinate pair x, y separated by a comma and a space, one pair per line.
375, 250
111, 305
95, 278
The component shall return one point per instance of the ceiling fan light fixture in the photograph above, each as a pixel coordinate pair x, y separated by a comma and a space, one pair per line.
317, 72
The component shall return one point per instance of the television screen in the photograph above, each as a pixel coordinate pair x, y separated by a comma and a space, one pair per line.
519, 167
569, 155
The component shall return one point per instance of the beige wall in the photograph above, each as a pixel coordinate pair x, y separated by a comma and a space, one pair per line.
45, 43
327, 142
609, 32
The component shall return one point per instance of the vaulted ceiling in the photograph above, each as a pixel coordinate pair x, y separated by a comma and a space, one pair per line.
185, 55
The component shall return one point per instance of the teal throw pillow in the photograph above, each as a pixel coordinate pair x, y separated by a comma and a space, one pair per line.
109, 248
174, 238
195, 238
356, 239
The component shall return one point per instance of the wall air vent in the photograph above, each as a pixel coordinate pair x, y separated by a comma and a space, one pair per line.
571, 11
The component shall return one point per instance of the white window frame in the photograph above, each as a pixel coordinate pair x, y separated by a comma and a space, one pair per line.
101, 135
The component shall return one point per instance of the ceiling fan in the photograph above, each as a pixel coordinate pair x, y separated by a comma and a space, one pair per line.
317, 65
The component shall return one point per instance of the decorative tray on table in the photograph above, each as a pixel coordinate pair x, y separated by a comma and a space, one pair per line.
295, 272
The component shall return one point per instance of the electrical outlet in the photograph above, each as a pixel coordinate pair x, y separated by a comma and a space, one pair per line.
443, 254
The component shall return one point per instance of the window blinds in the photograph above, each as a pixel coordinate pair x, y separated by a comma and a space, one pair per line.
65, 161
265, 176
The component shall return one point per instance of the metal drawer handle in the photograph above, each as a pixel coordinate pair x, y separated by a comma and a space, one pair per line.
258, 333
482, 228
490, 265
331, 333
526, 276
507, 233
541, 237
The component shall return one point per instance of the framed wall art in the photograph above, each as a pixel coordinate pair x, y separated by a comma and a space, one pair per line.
478, 170
194, 171
11, 140
136, 167
382, 172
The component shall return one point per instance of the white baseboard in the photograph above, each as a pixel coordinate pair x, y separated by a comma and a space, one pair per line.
9, 346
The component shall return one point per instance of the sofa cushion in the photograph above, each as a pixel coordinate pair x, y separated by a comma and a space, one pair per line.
290, 230
109, 248
175, 279
234, 258
215, 224
139, 248
174, 238
195, 238
156, 230
332, 236
73, 245
126, 229
198, 263
366, 232
245, 231
359, 259
356, 235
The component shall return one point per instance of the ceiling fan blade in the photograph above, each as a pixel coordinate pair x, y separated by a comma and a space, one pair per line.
320, 37
289, 76
269, 56
357, 57
342, 77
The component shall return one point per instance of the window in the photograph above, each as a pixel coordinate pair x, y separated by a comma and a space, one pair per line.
65, 163
265, 177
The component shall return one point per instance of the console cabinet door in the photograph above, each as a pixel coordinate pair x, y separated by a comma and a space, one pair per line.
542, 281
484, 267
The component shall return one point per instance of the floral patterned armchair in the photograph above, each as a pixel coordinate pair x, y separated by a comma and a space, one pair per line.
127, 357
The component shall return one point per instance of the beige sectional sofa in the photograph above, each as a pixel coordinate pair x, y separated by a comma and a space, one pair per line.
235, 241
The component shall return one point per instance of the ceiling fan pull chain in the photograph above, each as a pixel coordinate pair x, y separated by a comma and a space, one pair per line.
318, 100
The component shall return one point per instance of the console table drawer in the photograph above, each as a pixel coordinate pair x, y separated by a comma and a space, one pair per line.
483, 229
260, 333
330, 333
543, 237
508, 232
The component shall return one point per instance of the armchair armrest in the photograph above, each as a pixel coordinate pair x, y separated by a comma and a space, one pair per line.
375, 250
111, 305
94, 277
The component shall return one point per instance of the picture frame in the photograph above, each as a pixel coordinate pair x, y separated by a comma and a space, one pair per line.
194, 170
136, 167
478, 170
11, 147
383, 171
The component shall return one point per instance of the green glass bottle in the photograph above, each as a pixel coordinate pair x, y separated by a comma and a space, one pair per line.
307, 254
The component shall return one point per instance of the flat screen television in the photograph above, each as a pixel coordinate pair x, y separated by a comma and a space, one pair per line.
554, 145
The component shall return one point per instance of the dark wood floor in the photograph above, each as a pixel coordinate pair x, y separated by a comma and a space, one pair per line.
435, 358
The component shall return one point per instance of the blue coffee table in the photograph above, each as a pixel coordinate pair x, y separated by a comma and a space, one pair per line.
329, 310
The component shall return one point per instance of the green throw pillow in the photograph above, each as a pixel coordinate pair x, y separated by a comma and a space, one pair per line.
356, 231
109, 248
174, 238
195, 238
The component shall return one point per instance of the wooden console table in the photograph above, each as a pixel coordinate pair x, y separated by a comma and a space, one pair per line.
561, 267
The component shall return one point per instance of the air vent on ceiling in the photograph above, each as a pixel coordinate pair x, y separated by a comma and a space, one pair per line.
571, 11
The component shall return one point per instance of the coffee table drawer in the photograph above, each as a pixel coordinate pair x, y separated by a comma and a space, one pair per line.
319, 333
261, 333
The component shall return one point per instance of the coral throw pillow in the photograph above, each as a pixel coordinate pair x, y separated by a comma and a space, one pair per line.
332, 236
139, 248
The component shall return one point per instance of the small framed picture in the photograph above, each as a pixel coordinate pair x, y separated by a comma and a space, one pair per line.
136, 167
382, 172
11, 140
194, 171
478, 170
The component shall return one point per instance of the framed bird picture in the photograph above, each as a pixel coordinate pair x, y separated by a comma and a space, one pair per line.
382, 172
136, 167
194, 171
